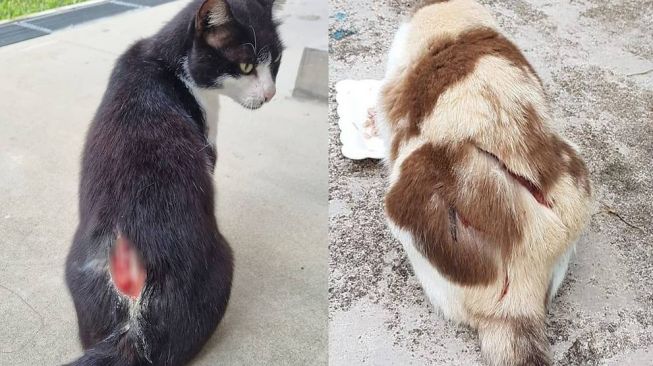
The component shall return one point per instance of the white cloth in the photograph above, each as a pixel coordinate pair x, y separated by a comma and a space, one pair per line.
355, 98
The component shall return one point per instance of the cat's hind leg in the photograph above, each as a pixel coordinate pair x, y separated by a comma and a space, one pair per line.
559, 272
124, 320
443, 294
99, 308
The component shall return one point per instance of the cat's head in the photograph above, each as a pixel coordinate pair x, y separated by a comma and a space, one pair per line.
236, 50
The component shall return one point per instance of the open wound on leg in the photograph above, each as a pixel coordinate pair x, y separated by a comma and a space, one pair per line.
453, 229
127, 270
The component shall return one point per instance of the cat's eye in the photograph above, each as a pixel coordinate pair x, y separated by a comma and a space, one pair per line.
246, 68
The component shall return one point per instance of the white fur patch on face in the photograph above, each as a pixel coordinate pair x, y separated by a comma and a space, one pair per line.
251, 91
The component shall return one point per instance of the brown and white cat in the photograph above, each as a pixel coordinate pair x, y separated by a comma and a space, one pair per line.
486, 198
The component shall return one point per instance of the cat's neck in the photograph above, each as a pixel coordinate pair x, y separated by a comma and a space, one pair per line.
173, 42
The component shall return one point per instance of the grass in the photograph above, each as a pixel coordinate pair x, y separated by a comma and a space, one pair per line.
10, 9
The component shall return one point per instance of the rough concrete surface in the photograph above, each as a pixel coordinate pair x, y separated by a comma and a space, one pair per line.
595, 58
271, 180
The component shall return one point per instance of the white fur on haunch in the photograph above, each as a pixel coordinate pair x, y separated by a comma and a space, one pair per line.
442, 293
560, 271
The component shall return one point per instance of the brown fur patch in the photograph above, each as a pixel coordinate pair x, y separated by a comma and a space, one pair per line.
399, 136
446, 62
482, 202
577, 169
534, 190
453, 224
422, 201
542, 149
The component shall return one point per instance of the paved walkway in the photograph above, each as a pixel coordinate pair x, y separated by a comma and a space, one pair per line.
272, 194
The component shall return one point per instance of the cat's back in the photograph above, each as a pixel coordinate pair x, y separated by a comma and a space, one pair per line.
148, 128
457, 88
146, 102
143, 86
455, 75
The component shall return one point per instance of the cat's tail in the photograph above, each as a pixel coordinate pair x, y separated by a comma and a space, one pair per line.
514, 342
110, 352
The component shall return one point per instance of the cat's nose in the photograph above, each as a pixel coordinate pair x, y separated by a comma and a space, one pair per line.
269, 93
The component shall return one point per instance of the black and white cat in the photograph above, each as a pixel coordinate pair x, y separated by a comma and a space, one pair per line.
148, 270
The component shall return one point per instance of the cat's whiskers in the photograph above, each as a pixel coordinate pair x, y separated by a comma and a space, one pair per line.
251, 45
254, 33
254, 46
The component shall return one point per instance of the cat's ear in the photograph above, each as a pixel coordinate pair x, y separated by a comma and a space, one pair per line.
213, 13
211, 22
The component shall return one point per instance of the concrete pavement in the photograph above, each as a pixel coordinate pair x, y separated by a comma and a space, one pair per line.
271, 181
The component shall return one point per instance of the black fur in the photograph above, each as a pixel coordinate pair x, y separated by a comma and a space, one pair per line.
146, 174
